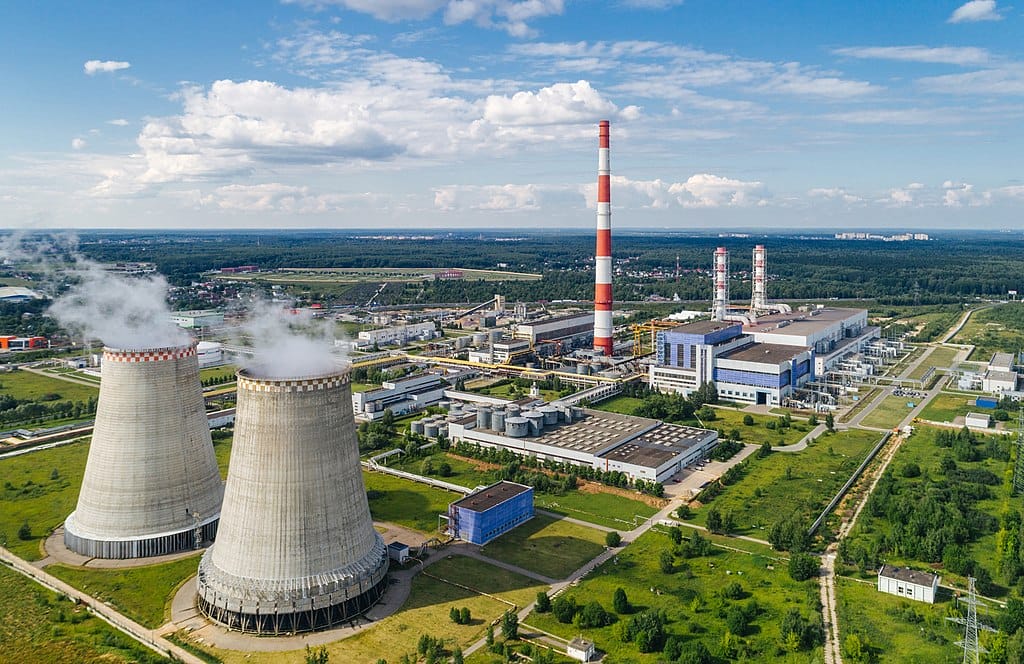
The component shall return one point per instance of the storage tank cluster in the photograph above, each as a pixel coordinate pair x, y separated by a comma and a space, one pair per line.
509, 419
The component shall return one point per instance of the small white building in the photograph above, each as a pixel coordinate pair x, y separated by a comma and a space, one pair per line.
905, 582
977, 420
581, 649
399, 334
398, 552
197, 318
210, 354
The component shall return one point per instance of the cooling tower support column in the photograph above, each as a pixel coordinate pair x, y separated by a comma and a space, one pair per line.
758, 290
720, 306
151, 480
296, 550
603, 256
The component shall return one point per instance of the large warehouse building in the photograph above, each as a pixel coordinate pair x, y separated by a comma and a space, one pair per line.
639, 447
742, 369
832, 333
490, 512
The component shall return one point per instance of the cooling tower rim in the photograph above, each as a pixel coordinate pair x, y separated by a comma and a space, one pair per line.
71, 524
142, 350
340, 372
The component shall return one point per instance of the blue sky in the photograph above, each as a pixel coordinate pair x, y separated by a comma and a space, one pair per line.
482, 113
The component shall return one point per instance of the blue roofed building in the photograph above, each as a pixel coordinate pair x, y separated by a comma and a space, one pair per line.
490, 512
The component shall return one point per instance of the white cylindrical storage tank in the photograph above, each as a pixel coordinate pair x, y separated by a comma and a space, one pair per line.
479, 338
583, 368
442, 428
536, 421
296, 549
513, 410
517, 427
430, 429
416, 427
151, 480
446, 405
550, 414
495, 335
498, 420
483, 417
577, 413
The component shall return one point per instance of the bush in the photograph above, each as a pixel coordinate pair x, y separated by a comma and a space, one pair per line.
543, 604
594, 615
667, 562
612, 538
748, 420
25, 532
803, 566
732, 590
620, 603
911, 470
564, 609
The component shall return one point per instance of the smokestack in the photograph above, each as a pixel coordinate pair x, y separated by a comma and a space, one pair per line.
603, 258
758, 291
721, 302
296, 550
151, 484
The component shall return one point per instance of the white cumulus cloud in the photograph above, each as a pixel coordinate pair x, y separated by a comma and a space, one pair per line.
561, 103
93, 67
975, 10
78, 143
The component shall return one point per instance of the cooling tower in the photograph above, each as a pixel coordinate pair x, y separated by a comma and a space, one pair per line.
296, 549
151, 480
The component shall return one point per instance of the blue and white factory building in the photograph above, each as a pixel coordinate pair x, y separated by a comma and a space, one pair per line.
742, 369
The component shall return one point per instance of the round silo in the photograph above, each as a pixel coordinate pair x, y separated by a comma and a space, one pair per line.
445, 405
577, 413
536, 421
550, 414
430, 428
483, 417
513, 409
498, 419
517, 427
416, 427
296, 550
151, 480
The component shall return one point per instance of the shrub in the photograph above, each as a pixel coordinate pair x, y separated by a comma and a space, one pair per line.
620, 603
911, 470
803, 566
594, 615
25, 532
667, 562
732, 590
748, 420
612, 538
543, 602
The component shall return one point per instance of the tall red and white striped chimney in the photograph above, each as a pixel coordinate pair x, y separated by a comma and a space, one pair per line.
758, 290
603, 258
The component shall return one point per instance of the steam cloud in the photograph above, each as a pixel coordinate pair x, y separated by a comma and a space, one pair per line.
123, 312
287, 345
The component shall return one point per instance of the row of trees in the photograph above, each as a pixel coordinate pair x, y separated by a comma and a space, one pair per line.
45, 408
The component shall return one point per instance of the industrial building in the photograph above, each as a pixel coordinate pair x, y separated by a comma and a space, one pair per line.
151, 483
296, 550
905, 582
400, 396
399, 334
832, 333
12, 342
210, 354
18, 294
490, 512
198, 319
639, 447
742, 369
1000, 376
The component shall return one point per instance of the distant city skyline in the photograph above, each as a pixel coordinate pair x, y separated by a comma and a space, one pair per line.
406, 114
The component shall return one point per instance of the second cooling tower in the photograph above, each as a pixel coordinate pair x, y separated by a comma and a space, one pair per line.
151, 483
296, 549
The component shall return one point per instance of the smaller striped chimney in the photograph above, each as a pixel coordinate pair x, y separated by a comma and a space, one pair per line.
603, 258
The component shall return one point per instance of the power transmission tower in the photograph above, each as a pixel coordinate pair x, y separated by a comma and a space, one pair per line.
970, 644
1018, 465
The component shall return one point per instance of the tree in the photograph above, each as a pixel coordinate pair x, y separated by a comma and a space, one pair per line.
728, 522
830, 422
25, 532
594, 615
445, 469
510, 625
464, 616
714, 521
748, 420
684, 512
911, 470
490, 635
736, 621
457, 656
564, 609
455, 615
813, 420
803, 566
543, 604
667, 562
428, 467
695, 653
764, 450
733, 590
612, 539
317, 655
675, 534
620, 603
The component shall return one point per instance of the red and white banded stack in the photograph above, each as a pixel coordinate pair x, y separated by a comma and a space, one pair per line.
720, 305
603, 259
758, 290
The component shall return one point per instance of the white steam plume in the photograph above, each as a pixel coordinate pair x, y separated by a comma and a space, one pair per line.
122, 312
287, 343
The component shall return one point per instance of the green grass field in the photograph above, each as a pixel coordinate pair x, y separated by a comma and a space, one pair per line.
896, 630
765, 495
222, 440
425, 612
464, 473
547, 546
143, 594
218, 372
994, 330
619, 404
691, 599
25, 385
29, 494
862, 402
889, 412
405, 502
38, 627
727, 419
941, 357
603, 509
946, 407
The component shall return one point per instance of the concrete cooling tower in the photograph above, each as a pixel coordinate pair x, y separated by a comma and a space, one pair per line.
296, 549
151, 480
